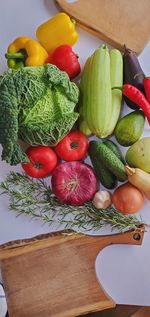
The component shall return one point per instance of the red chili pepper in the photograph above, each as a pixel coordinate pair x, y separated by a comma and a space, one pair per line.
65, 59
136, 96
146, 83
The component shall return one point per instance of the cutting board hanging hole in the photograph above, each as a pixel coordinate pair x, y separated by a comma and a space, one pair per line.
137, 236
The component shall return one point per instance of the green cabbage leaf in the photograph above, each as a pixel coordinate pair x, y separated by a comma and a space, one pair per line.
37, 106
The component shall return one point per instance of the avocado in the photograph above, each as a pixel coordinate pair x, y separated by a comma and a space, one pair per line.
130, 128
138, 155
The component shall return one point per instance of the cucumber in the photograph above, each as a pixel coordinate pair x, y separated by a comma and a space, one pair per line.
111, 161
114, 148
107, 179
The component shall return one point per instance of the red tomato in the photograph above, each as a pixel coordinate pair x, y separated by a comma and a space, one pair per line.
43, 160
73, 147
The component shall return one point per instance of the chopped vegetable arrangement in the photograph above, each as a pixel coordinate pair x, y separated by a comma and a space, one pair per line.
56, 117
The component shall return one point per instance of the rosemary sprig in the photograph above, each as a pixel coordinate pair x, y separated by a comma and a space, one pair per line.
35, 198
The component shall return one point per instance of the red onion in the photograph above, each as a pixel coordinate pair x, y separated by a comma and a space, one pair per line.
74, 183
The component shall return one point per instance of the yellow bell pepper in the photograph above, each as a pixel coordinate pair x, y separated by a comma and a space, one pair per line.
26, 51
57, 31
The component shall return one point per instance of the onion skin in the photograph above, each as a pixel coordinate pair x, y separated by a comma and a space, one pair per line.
128, 199
139, 179
74, 183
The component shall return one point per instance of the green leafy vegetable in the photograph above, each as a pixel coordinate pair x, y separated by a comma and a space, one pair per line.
37, 106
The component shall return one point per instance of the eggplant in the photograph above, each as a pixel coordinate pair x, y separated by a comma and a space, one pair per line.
132, 74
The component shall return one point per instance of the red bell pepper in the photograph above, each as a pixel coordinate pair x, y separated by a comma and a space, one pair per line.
66, 60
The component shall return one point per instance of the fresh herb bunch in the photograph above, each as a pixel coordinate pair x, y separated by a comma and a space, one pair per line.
35, 198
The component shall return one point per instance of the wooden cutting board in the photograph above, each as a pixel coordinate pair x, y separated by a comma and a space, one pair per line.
116, 22
54, 274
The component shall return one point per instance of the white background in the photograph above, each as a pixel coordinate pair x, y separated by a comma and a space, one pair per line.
123, 270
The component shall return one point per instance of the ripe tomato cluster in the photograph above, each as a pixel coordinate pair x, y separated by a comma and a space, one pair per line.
43, 159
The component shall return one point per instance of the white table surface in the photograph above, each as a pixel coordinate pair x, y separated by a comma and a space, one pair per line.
123, 270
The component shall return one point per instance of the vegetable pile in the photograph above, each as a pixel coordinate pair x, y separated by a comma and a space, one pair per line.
42, 106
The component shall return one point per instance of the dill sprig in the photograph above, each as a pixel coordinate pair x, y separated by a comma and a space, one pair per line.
33, 197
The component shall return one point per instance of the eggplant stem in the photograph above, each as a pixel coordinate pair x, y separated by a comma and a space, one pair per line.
126, 49
139, 74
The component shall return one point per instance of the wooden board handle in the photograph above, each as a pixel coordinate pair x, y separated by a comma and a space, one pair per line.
17, 247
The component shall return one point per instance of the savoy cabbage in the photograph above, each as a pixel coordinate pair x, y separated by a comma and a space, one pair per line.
36, 106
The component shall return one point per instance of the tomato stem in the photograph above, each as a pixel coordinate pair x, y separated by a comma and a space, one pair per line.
74, 144
38, 165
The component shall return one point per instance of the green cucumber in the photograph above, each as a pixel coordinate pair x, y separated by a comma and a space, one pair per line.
106, 178
114, 148
111, 161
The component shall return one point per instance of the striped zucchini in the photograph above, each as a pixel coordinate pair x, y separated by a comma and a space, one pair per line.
116, 74
100, 106
82, 101
84, 128
99, 93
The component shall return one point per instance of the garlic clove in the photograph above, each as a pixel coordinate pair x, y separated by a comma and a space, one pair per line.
102, 199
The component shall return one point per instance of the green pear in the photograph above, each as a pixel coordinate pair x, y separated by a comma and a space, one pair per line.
138, 155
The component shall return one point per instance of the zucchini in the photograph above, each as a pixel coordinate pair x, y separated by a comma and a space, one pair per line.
83, 83
116, 75
82, 122
101, 106
95, 88
84, 128
109, 159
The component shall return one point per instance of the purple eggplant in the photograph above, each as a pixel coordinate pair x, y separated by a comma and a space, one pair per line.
132, 74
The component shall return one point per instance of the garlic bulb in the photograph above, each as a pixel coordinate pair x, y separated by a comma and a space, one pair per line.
102, 199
